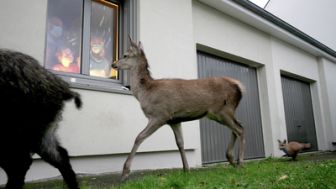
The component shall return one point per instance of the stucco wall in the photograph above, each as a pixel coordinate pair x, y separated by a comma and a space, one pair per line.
23, 28
311, 17
220, 31
327, 71
247, 45
223, 35
294, 62
101, 134
106, 126
109, 122
330, 78
169, 45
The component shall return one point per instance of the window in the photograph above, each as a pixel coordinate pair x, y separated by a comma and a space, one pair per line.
103, 39
64, 36
84, 37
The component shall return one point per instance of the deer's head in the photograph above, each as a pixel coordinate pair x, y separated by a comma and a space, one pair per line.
131, 56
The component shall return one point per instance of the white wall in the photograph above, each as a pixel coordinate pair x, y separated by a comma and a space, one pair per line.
169, 45
294, 62
313, 17
108, 123
101, 134
223, 35
221, 32
167, 35
217, 30
23, 28
327, 71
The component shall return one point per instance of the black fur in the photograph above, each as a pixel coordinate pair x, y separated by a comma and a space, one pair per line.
31, 103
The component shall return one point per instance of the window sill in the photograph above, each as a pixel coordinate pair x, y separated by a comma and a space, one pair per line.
113, 89
94, 84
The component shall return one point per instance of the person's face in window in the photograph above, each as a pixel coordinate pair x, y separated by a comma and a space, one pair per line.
65, 57
55, 26
97, 46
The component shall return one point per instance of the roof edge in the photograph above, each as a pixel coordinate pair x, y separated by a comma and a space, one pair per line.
257, 17
284, 25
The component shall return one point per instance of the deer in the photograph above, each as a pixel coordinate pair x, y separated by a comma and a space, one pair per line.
173, 101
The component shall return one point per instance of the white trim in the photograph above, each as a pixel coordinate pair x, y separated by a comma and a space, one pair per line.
232, 9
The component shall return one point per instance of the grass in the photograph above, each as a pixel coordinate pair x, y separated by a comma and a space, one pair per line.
265, 174
270, 173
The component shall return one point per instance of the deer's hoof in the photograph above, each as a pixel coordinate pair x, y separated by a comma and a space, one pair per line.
186, 170
124, 178
239, 165
125, 175
232, 163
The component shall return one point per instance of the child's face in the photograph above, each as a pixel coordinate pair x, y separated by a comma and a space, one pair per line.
65, 57
97, 45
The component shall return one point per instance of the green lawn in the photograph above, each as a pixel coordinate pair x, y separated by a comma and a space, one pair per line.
271, 173
268, 173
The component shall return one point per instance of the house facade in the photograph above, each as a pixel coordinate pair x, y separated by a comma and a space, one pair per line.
313, 16
289, 76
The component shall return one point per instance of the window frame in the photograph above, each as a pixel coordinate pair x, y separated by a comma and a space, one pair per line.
127, 24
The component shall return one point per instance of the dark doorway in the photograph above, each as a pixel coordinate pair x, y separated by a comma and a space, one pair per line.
299, 111
215, 137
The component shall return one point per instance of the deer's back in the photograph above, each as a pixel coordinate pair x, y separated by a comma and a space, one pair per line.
194, 97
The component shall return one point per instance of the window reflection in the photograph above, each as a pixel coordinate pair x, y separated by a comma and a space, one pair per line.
67, 62
64, 35
103, 41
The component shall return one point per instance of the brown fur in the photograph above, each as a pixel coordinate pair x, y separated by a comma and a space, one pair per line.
292, 148
172, 101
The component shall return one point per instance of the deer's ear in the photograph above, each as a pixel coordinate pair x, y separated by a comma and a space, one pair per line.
131, 41
140, 47
129, 38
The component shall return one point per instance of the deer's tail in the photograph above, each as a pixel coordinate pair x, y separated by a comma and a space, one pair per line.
240, 89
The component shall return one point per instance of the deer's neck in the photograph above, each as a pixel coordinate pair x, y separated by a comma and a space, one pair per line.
141, 79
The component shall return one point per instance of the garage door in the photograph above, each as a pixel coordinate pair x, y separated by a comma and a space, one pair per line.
299, 111
215, 137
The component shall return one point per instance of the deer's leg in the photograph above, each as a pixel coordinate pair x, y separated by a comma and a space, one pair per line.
237, 131
150, 129
226, 117
229, 151
180, 144
240, 130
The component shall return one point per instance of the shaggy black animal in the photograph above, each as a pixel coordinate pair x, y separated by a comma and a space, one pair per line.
31, 102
